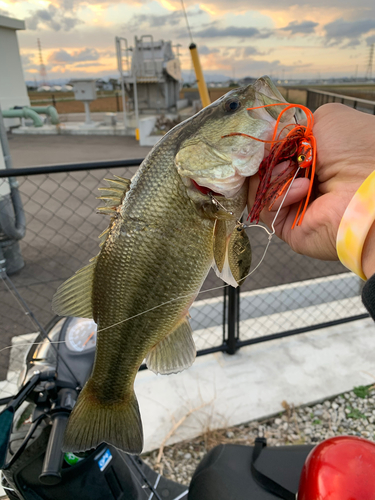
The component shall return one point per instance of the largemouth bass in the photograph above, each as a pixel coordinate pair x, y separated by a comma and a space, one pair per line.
175, 219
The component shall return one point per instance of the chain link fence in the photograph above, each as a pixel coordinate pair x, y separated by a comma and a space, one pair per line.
288, 292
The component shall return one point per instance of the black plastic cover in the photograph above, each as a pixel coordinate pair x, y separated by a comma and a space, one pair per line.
225, 472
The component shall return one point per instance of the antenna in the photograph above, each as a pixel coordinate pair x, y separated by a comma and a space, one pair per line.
369, 64
42, 68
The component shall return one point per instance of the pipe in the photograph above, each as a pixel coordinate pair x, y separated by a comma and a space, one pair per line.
48, 110
202, 87
23, 113
12, 215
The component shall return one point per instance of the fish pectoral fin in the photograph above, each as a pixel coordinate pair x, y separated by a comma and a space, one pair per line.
233, 264
73, 297
174, 353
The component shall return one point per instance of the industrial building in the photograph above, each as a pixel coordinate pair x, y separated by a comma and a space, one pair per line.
13, 90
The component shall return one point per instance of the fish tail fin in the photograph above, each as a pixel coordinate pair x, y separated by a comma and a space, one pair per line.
92, 423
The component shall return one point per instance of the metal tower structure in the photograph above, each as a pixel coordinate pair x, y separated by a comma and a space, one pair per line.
42, 68
370, 61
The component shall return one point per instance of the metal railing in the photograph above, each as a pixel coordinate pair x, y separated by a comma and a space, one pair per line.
289, 294
316, 98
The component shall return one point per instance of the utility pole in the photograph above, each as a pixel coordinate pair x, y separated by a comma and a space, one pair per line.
370, 61
42, 68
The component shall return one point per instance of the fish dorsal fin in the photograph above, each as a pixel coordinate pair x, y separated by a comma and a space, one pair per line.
174, 353
73, 297
113, 194
232, 255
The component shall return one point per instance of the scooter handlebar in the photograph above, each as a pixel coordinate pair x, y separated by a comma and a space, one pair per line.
51, 470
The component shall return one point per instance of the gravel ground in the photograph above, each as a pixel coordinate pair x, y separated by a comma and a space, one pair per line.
351, 413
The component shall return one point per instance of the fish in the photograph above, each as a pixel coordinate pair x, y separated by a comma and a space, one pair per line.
177, 217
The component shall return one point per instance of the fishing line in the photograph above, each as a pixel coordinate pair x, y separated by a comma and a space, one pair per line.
146, 483
187, 21
30, 343
270, 234
27, 311
245, 226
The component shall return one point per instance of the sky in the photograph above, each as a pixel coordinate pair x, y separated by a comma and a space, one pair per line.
235, 38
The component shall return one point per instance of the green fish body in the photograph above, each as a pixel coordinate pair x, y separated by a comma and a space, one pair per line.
164, 236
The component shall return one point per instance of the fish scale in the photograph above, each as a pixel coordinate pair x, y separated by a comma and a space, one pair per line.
155, 256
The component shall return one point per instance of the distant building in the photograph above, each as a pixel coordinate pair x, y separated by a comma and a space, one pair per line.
248, 80
157, 73
13, 91
108, 86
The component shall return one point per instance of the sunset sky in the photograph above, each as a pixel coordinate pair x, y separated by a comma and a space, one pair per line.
311, 39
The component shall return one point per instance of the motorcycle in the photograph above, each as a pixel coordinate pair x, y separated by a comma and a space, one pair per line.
32, 426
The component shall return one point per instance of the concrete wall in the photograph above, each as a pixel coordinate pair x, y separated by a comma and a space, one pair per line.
13, 90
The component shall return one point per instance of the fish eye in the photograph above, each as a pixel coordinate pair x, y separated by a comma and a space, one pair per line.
232, 105
301, 158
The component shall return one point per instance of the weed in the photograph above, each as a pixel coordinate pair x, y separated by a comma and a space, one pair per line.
355, 413
362, 391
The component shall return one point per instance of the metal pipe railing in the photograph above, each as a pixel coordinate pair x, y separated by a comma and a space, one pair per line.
71, 167
316, 98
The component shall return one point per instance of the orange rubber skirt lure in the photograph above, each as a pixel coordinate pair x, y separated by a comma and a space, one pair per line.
298, 148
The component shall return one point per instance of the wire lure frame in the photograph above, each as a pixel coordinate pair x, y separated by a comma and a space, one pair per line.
298, 147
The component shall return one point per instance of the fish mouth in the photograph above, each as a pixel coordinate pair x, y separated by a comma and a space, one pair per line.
204, 189
227, 188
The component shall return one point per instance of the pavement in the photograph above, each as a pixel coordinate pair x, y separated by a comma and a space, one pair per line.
34, 151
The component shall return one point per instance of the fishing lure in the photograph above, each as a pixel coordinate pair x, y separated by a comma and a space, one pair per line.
295, 144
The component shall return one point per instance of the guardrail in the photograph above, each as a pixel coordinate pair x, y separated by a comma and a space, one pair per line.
316, 98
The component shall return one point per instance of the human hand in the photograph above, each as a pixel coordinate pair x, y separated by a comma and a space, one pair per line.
345, 158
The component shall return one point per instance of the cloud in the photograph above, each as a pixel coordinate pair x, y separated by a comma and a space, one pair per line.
251, 51
351, 43
52, 18
27, 60
157, 21
254, 67
62, 56
304, 27
339, 30
204, 50
231, 31
88, 65
370, 40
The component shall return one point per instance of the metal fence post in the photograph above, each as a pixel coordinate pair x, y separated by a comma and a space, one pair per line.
233, 319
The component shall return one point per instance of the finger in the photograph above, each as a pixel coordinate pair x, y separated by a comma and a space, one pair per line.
253, 187
254, 182
298, 190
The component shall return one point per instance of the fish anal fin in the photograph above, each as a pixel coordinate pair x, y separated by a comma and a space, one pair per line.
93, 422
174, 353
73, 297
